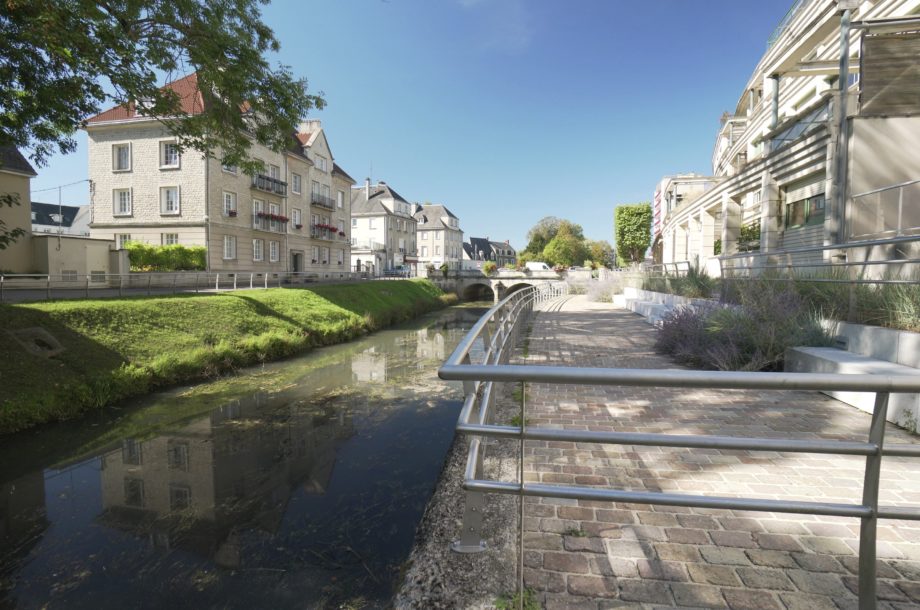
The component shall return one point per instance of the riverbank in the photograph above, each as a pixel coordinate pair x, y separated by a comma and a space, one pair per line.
60, 359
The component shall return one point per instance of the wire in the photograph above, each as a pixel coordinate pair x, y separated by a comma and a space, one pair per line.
54, 188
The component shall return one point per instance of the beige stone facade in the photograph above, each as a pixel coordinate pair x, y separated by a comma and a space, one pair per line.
267, 223
383, 230
17, 256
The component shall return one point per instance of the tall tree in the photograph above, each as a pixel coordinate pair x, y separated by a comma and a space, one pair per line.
565, 249
540, 234
632, 231
62, 60
600, 252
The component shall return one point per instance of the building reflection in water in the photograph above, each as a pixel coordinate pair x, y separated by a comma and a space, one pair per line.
197, 488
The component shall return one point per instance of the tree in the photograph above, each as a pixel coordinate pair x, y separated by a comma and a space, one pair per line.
544, 231
565, 249
600, 252
62, 60
632, 231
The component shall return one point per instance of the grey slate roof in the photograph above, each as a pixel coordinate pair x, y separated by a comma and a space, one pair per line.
364, 205
43, 212
434, 212
12, 160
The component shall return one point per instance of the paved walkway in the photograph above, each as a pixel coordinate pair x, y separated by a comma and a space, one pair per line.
595, 555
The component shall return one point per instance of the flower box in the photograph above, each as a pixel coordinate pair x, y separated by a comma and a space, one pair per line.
231, 213
298, 226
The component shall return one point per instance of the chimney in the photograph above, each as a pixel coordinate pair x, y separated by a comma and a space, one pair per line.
367, 188
310, 125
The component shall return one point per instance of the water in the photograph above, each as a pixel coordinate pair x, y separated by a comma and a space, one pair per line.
296, 484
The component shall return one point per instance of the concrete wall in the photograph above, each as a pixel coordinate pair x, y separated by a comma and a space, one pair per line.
54, 255
17, 256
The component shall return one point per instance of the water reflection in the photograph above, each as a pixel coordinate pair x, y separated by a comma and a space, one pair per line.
303, 488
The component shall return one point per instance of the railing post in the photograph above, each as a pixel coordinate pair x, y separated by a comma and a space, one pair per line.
265, 277
1, 288
86, 291
216, 282
234, 280
251, 276
196, 283
121, 285
175, 279
48, 288
149, 280
867, 525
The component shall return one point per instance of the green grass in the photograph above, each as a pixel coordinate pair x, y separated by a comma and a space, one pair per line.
513, 601
115, 348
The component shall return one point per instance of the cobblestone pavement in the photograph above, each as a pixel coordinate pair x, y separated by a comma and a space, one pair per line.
594, 555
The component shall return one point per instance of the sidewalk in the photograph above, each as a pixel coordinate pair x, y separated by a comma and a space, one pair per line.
595, 555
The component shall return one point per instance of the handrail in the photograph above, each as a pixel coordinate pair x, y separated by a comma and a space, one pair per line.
498, 330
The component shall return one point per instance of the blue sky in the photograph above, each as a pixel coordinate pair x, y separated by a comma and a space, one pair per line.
510, 110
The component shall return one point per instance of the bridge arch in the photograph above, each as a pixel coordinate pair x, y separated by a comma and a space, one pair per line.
478, 291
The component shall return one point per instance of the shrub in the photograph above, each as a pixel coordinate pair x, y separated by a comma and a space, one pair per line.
577, 287
146, 257
489, 267
751, 336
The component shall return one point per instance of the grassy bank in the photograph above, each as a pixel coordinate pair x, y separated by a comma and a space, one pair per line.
119, 348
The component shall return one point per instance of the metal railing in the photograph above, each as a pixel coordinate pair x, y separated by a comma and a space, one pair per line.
496, 333
269, 184
46, 287
322, 201
891, 211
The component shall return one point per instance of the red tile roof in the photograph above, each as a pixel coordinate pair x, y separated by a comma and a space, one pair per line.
190, 100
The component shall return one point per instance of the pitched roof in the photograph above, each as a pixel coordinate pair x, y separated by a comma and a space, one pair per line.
190, 102
43, 214
479, 246
373, 205
12, 160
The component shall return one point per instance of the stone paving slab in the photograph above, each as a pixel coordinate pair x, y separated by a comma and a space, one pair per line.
594, 555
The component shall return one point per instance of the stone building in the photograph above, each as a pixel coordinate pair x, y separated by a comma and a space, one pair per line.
383, 230
440, 239
145, 190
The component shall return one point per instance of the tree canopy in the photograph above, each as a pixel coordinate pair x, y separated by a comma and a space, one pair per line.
63, 61
557, 241
632, 231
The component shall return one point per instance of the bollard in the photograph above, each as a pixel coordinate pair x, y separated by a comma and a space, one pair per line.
251, 275
234, 281
217, 282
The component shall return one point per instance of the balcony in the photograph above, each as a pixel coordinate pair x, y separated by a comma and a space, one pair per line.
322, 201
269, 185
327, 232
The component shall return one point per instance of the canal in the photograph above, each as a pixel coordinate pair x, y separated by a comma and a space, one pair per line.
294, 484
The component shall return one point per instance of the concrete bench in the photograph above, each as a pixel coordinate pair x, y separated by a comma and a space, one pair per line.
903, 409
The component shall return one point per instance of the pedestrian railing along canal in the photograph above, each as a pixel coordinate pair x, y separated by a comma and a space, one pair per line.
496, 333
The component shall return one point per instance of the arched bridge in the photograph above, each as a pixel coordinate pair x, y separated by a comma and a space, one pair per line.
474, 286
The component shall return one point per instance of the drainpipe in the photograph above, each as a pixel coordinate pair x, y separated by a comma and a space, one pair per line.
842, 146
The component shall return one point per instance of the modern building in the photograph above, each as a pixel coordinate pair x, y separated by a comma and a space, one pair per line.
819, 167
63, 219
479, 249
383, 230
440, 239
292, 217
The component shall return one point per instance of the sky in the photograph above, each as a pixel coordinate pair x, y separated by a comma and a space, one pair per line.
507, 111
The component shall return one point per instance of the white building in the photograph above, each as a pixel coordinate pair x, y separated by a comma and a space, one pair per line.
440, 239
810, 164
383, 230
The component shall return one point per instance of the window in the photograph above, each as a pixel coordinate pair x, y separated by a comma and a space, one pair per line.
169, 200
169, 155
315, 257
229, 204
274, 171
424, 250
295, 183
177, 455
230, 169
131, 452
258, 247
808, 211
370, 223
122, 202
273, 251
180, 497
229, 247
121, 157
437, 235
275, 210
169, 239
320, 162
324, 255
423, 234
341, 257
122, 239
340, 199
258, 206
354, 222
134, 492
298, 221
437, 250
341, 224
